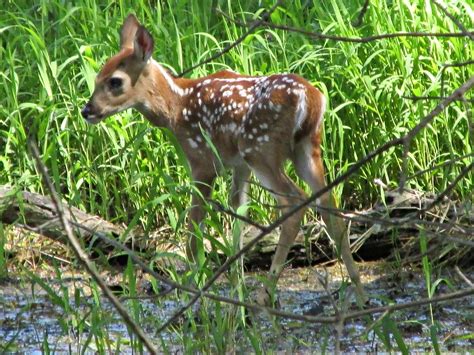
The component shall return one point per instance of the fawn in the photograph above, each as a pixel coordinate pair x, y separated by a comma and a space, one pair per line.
255, 123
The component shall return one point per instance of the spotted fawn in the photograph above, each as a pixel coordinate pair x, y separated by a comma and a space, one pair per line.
255, 123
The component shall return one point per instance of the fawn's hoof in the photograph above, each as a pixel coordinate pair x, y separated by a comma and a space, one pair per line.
267, 298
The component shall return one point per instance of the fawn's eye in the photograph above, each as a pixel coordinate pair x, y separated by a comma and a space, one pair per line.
115, 83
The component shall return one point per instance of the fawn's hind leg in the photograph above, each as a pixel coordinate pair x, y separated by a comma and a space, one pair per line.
309, 166
272, 176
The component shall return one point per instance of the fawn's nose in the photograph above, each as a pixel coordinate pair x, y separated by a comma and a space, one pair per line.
86, 111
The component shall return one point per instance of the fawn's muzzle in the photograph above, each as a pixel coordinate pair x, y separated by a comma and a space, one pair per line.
89, 114
86, 111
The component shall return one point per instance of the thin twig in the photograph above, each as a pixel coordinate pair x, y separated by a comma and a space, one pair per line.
321, 36
192, 290
235, 43
441, 165
455, 20
418, 98
240, 217
362, 12
82, 256
401, 222
455, 240
450, 187
364, 218
453, 65
458, 93
277, 312
425, 301
463, 276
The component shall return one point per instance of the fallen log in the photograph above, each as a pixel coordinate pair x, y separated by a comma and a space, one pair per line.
37, 213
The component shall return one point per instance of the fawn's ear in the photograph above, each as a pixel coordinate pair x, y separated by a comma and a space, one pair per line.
143, 44
128, 31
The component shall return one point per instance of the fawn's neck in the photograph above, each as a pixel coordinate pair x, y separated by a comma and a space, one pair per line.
162, 95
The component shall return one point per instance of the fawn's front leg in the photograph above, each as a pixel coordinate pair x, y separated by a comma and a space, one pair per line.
203, 179
240, 186
288, 195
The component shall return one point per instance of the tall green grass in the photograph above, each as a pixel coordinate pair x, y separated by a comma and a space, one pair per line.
128, 172
51, 51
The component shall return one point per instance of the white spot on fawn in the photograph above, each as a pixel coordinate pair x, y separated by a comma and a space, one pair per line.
321, 111
192, 143
173, 86
301, 110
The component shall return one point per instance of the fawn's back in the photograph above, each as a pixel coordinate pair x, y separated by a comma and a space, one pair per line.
244, 114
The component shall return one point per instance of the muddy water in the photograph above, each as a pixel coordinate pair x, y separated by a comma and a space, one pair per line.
28, 317
301, 292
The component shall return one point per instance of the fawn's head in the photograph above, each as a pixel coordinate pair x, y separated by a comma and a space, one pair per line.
116, 84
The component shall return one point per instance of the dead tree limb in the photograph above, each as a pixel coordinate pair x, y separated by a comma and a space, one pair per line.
37, 213
455, 20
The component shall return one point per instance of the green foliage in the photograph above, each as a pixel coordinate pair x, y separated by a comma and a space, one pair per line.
127, 172
390, 330
51, 51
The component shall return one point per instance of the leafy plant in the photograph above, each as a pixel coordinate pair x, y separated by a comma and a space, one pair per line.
128, 172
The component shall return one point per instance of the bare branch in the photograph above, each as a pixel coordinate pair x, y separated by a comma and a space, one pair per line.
277, 312
321, 36
459, 93
455, 20
402, 222
418, 98
231, 213
453, 65
235, 43
422, 302
82, 256
362, 12
450, 187
463, 276
441, 165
